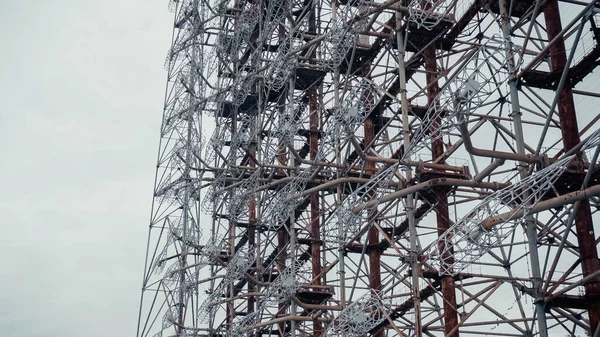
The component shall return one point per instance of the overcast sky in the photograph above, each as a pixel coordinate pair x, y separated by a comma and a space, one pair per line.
81, 91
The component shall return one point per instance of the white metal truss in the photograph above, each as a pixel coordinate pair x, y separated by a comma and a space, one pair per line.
360, 316
469, 239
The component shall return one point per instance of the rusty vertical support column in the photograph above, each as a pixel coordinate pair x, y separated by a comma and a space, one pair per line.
282, 239
570, 135
251, 232
315, 226
373, 234
251, 243
441, 208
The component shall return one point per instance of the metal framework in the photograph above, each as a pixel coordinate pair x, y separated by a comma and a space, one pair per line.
377, 168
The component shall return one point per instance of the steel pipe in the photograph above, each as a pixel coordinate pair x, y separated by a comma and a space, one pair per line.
562, 200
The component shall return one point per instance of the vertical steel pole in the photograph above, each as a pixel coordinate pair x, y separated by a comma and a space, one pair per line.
536, 277
441, 208
413, 254
315, 228
338, 160
293, 238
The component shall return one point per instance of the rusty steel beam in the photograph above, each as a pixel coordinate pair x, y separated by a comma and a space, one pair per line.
441, 207
315, 211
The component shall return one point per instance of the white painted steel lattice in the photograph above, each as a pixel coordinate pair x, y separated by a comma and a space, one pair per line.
376, 168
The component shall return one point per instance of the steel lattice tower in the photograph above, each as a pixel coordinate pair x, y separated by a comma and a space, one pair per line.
372, 168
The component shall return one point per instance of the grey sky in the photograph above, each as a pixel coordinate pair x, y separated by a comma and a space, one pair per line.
81, 95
